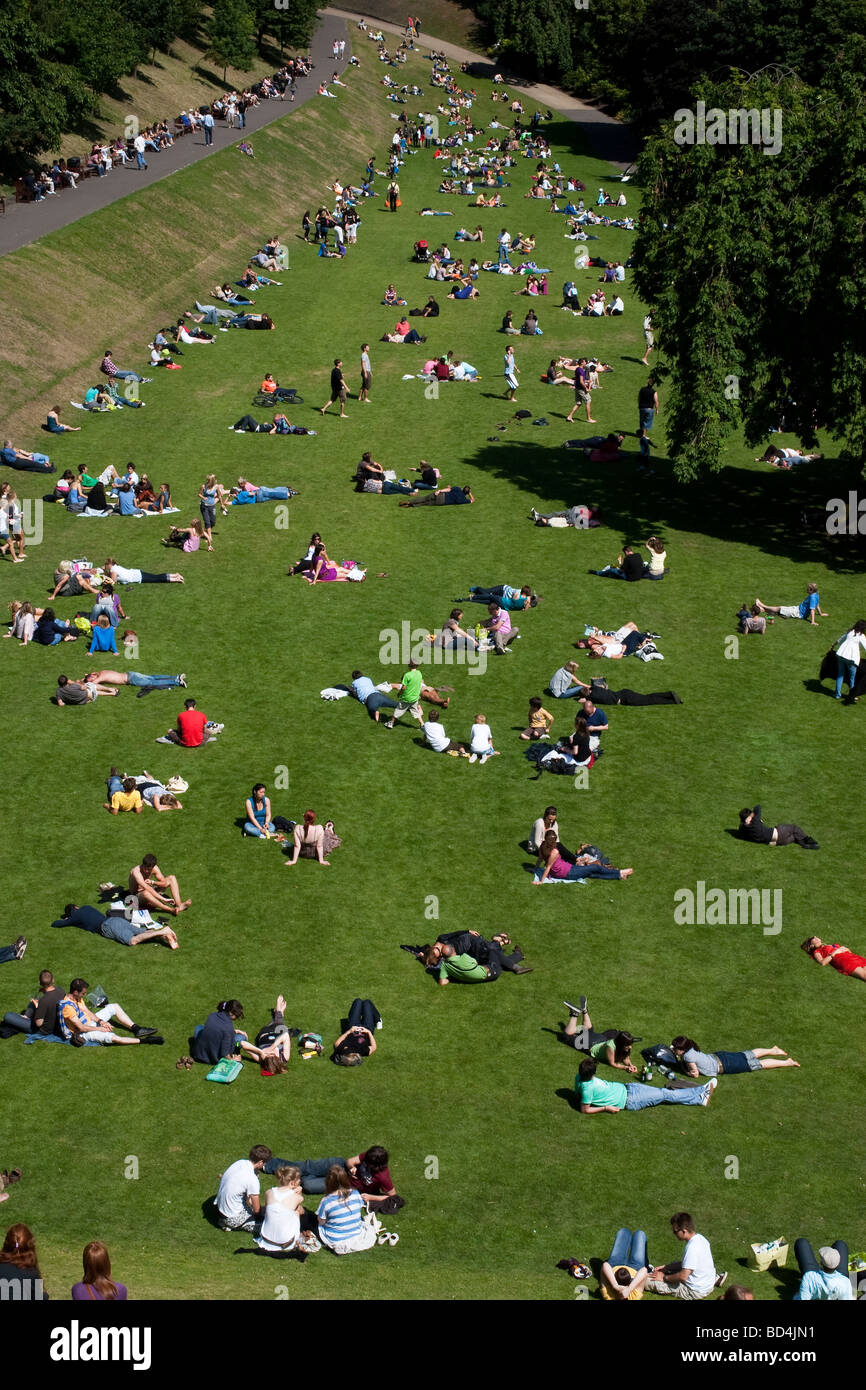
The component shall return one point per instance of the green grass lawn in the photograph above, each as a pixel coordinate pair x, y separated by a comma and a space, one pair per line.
473, 1078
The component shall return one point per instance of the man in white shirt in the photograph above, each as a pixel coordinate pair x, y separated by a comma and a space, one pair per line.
138, 145
692, 1277
437, 738
616, 307
237, 1200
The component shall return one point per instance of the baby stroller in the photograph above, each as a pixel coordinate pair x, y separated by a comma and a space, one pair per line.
421, 252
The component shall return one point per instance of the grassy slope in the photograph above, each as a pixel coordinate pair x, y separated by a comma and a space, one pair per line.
470, 1076
439, 18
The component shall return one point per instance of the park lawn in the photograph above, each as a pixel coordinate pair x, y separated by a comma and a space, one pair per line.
471, 1085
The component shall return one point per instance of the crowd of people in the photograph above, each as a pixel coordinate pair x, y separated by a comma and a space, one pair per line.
355, 1191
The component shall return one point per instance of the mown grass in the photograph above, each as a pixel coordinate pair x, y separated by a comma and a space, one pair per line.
473, 1078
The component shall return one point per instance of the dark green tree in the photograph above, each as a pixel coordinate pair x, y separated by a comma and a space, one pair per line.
752, 266
39, 98
230, 35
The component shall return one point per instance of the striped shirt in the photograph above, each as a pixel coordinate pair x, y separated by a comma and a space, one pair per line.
340, 1216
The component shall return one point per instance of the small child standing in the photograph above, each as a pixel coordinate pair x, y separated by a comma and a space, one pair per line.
481, 741
540, 721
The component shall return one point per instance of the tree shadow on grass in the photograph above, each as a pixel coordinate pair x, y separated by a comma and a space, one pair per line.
737, 505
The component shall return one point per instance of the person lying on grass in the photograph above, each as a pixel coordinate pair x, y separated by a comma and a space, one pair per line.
245, 492
507, 596
806, 609
323, 570
75, 693
443, 497
697, 1063
279, 424
467, 958
588, 864
612, 1047
625, 641
597, 1097
119, 574
842, 958
128, 927
752, 828
134, 793
144, 683
580, 517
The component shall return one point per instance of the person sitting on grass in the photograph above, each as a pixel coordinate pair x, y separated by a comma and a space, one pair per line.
218, 1039
54, 425
258, 812
597, 1097
612, 1047
753, 829
186, 538
842, 958
807, 609
540, 721
340, 1213
145, 881
692, 1277
625, 1271
312, 841
284, 1207
438, 740
19, 1267
370, 477
50, 630
193, 728
237, 1201
102, 637
80, 1025
97, 1282
827, 1280
628, 566
697, 1063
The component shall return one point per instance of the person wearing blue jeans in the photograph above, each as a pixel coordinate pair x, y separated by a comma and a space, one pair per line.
13, 952
595, 1096
211, 314
626, 1269
848, 656
314, 1171
137, 678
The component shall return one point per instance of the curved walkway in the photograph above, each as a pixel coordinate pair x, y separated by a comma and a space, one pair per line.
607, 137
26, 222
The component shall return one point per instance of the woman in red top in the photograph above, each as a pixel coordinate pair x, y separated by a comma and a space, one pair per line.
840, 957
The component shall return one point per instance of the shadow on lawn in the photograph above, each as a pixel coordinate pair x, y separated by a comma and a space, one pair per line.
782, 514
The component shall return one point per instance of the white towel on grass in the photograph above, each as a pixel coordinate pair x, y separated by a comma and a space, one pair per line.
333, 692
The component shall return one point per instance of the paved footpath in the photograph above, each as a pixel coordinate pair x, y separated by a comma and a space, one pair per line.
607, 137
27, 222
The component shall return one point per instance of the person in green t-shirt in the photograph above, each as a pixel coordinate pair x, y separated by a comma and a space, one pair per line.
409, 695
461, 968
596, 1097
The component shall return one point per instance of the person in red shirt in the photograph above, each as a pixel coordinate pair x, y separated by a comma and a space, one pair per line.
369, 1174
193, 728
840, 957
